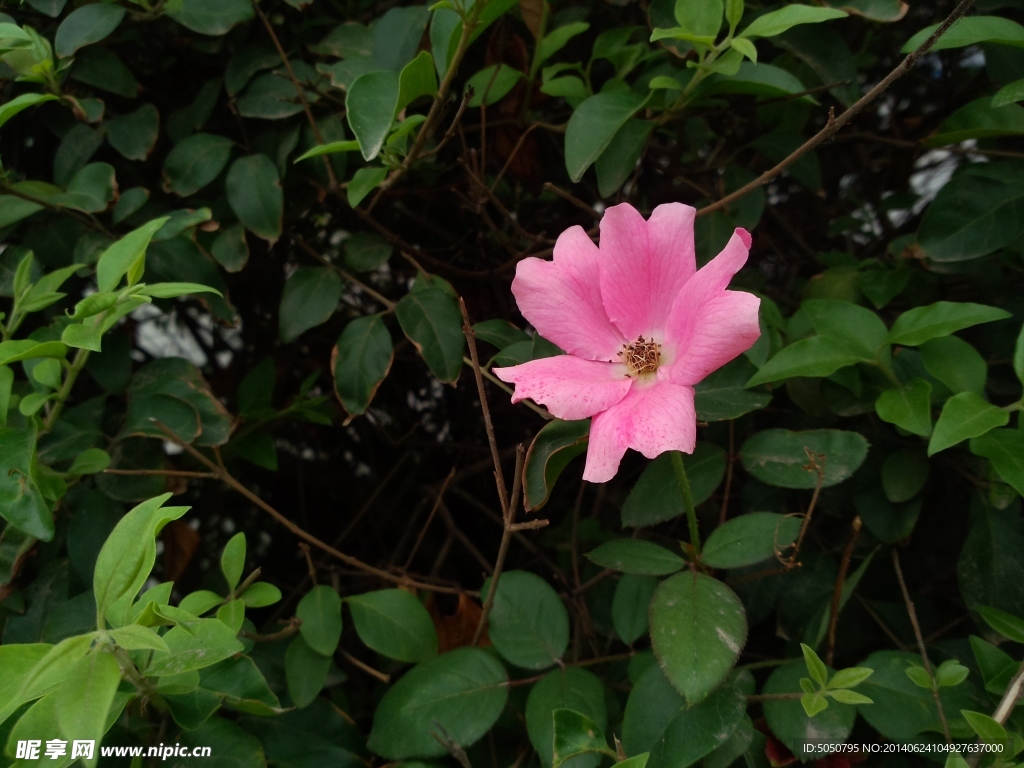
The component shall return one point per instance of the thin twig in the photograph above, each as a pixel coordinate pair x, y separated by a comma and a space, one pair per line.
228, 479
299, 90
920, 643
834, 124
451, 129
837, 592
572, 199
350, 278
730, 460
383, 677
430, 518
816, 464
161, 473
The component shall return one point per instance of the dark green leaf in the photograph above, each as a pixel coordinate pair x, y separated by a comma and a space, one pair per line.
528, 624
492, 84
306, 671
918, 325
432, 321
593, 125
416, 79
363, 183
255, 195
904, 474
657, 497
85, 26
575, 735
361, 360
695, 732
365, 252
955, 363
698, 628
979, 119
1006, 624
575, 689
990, 559
636, 556
134, 134
21, 501
209, 18
1005, 449
458, 695
395, 624
371, 104
970, 31
776, 22
618, 161
779, 457
320, 612
791, 724
552, 449
195, 162
908, 407
748, 539
310, 297
629, 606
817, 356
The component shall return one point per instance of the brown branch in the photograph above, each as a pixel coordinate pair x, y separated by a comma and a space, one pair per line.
299, 90
837, 592
161, 473
384, 678
430, 519
589, 209
920, 644
834, 124
228, 479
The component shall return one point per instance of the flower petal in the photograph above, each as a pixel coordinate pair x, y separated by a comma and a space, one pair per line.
709, 325
570, 387
562, 298
653, 419
644, 264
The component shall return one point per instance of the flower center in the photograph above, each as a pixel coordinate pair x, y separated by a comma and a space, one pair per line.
642, 356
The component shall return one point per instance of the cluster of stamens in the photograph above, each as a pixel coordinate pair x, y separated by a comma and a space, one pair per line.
642, 356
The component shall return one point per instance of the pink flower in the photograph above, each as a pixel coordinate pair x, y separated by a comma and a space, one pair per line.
641, 325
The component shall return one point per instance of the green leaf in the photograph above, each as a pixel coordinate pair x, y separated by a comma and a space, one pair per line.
126, 559
790, 721
320, 612
310, 297
432, 321
1006, 624
212, 642
90, 190
17, 661
779, 457
594, 124
363, 183
744, 46
722, 395
209, 18
636, 556
232, 560
629, 606
331, 148
21, 500
492, 84
1005, 449
748, 539
860, 328
371, 104
272, 95
846, 696
85, 698
416, 79
558, 38
459, 695
951, 672
136, 638
126, 256
575, 689
908, 407
657, 497
27, 349
395, 624
134, 135
918, 325
14, 106
991, 558
87, 25
979, 211
904, 474
815, 666
997, 667
702, 18
361, 360
988, 730
659, 720
89, 462
733, 12
850, 677
173, 290
813, 704
1018, 356
955, 363
617, 163
970, 30
978, 119
260, 594
1009, 94
817, 356
556, 444
575, 734
365, 252
528, 624
195, 162
964, 416
776, 22
306, 671
698, 628
255, 195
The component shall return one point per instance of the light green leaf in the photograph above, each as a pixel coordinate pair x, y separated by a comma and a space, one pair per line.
1006, 624
817, 356
371, 104
416, 79
702, 18
908, 407
1005, 449
850, 677
815, 666
363, 183
918, 325
126, 256
776, 22
350, 145
965, 416
594, 124
135, 638
744, 46
85, 698
10, 108
492, 84
212, 642
232, 560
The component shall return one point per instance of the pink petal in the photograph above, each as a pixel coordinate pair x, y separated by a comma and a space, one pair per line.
562, 298
644, 264
570, 387
652, 420
709, 326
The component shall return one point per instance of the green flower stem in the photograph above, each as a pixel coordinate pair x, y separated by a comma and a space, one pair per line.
69, 381
684, 486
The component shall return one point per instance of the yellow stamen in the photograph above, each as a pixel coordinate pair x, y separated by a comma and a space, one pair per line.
642, 356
